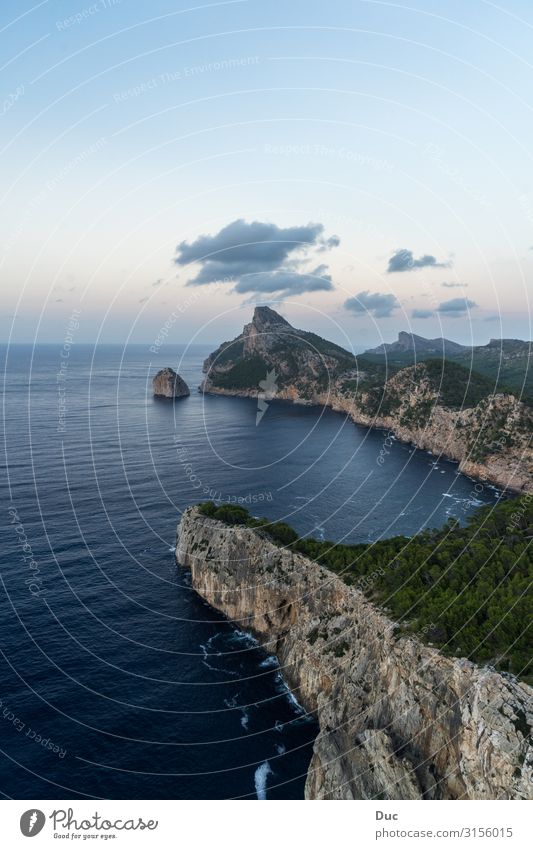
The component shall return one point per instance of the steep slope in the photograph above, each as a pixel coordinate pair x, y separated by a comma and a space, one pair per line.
397, 719
268, 343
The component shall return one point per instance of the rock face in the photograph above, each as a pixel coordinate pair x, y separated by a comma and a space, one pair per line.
397, 719
168, 384
452, 412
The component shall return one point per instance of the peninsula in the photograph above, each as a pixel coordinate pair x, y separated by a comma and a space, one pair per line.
436, 403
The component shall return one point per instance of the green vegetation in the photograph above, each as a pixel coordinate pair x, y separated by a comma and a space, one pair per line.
457, 386
229, 352
245, 374
345, 359
505, 364
465, 589
235, 515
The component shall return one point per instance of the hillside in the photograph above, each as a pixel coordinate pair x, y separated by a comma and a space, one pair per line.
270, 342
505, 362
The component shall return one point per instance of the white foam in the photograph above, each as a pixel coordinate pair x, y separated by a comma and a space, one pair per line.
285, 689
260, 779
269, 662
216, 654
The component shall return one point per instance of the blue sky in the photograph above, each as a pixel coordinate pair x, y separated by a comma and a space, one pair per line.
130, 129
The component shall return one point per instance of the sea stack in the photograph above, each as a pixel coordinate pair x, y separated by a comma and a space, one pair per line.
168, 384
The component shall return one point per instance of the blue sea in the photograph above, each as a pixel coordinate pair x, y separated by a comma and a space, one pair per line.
117, 680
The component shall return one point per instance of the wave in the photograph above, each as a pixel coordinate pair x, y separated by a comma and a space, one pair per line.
285, 689
205, 651
270, 662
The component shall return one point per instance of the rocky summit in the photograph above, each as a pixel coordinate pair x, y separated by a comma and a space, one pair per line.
168, 384
268, 343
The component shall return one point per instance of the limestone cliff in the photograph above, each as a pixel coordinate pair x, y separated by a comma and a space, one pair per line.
397, 719
437, 406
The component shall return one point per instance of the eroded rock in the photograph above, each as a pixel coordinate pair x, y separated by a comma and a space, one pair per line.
168, 384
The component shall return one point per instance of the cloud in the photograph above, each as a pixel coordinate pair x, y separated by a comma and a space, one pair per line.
258, 256
332, 242
286, 282
454, 285
456, 307
376, 304
492, 318
403, 260
422, 313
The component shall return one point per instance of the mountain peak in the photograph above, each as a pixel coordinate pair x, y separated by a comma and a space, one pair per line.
267, 317
419, 345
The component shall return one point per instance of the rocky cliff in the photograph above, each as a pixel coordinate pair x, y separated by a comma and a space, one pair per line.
397, 719
438, 406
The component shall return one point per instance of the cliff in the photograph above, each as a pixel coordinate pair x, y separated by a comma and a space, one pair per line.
437, 405
397, 719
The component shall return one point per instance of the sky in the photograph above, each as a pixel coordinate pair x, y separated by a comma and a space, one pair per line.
364, 167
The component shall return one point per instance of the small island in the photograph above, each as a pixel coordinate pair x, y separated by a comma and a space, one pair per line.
168, 384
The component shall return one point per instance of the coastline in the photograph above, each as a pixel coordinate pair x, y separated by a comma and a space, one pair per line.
397, 719
443, 438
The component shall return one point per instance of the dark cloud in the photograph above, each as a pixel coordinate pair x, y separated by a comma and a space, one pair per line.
332, 242
456, 307
286, 282
376, 304
258, 256
454, 285
422, 313
403, 260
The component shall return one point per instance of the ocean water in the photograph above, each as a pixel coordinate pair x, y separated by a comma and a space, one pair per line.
117, 680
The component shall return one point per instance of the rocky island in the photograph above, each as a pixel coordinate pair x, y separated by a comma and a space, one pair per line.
168, 384
397, 718
437, 404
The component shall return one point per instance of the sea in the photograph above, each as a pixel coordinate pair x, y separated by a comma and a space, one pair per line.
116, 679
